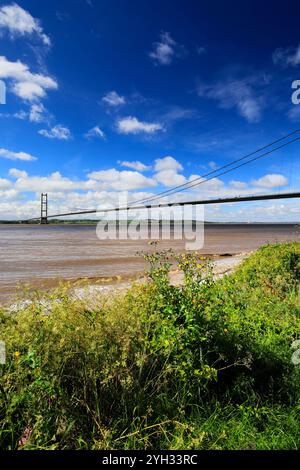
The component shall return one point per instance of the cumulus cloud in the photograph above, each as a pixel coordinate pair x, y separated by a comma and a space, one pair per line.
139, 166
285, 57
121, 180
95, 132
4, 153
19, 22
208, 187
167, 171
167, 163
113, 99
237, 184
26, 85
260, 212
169, 178
54, 182
166, 49
131, 125
15, 173
238, 94
4, 183
105, 180
57, 132
271, 181
8, 195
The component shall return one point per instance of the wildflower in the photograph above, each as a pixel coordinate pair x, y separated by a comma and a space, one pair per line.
225, 330
17, 354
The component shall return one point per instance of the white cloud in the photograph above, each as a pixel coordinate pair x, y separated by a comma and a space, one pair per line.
167, 171
139, 166
238, 184
57, 132
113, 99
8, 195
131, 125
169, 178
26, 85
20, 114
260, 212
289, 56
4, 153
106, 180
19, 22
208, 187
37, 113
28, 91
54, 182
165, 50
271, 181
237, 94
95, 132
167, 163
121, 180
4, 183
15, 173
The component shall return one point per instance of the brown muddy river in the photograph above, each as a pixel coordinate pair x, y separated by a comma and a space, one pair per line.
41, 255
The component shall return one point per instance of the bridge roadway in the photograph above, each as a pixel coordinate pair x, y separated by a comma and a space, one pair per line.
265, 197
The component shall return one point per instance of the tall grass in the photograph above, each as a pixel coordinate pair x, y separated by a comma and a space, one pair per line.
206, 365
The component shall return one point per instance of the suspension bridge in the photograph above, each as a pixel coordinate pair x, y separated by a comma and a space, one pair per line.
150, 202
44, 217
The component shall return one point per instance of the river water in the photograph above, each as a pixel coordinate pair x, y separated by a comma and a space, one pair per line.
42, 254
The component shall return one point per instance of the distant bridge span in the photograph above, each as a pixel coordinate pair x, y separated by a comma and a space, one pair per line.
265, 197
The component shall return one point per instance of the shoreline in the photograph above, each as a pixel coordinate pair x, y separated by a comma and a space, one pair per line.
221, 265
91, 290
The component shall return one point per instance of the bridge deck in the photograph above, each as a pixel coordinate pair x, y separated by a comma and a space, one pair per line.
265, 197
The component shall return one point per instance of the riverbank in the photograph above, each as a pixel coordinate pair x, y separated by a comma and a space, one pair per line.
203, 364
92, 290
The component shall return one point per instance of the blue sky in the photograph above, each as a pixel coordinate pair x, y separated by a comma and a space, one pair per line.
109, 99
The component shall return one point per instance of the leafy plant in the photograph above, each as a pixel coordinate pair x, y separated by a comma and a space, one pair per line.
203, 365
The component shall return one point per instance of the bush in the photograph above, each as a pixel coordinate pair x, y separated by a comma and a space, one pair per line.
159, 366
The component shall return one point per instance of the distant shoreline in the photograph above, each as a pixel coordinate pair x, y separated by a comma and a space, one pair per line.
142, 222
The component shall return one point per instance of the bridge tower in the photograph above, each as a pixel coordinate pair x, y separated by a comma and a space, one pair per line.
44, 208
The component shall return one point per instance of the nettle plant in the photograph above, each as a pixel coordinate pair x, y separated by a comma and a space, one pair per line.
182, 333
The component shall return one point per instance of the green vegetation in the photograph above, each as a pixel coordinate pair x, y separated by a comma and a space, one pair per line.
203, 366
